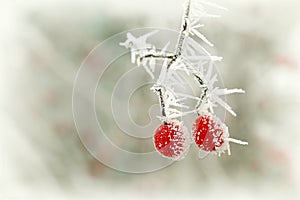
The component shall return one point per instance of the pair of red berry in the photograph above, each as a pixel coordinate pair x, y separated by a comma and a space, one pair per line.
171, 139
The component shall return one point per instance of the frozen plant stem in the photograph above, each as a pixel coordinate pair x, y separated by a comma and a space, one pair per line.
210, 133
182, 36
173, 58
162, 102
203, 95
158, 55
183, 32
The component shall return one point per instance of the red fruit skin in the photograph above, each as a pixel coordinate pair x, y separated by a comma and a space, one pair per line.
207, 133
170, 140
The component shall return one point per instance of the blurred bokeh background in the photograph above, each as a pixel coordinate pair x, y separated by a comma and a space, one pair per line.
42, 45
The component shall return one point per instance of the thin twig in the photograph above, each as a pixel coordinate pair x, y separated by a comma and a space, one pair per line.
162, 102
203, 95
183, 29
182, 35
158, 55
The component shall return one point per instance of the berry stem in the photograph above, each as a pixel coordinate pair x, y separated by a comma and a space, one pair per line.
173, 58
203, 95
162, 102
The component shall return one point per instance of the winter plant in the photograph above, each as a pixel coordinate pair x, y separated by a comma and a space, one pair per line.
210, 134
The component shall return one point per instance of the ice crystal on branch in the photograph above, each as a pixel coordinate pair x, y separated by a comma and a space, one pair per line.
191, 58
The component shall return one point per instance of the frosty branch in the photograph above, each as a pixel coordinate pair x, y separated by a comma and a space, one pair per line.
191, 58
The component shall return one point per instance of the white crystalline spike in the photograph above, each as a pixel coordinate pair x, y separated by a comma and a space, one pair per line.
195, 22
202, 37
138, 62
212, 81
213, 5
188, 96
228, 148
174, 82
162, 118
198, 13
180, 105
192, 67
189, 66
204, 107
148, 71
201, 67
135, 43
174, 67
226, 91
169, 89
173, 116
185, 4
211, 106
193, 60
209, 70
146, 67
225, 105
146, 36
191, 42
145, 61
133, 56
197, 26
165, 47
172, 70
184, 106
201, 58
171, 95
216, 58
181, 66
163, 71
128, 43
152, 65
179, 78
169, 82
173, 110
189, 51
180, 100
153, 49
185, 69
197, 50
197, 7
214, 90
236, 141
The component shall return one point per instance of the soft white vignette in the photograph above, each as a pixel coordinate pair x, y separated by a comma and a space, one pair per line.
13, 142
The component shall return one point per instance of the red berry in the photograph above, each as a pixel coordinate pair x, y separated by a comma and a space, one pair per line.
171, 140
208, 133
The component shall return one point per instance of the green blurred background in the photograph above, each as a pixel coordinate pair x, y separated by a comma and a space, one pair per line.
42, 45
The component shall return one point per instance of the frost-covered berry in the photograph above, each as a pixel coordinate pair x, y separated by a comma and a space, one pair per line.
171, 140
209, 133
